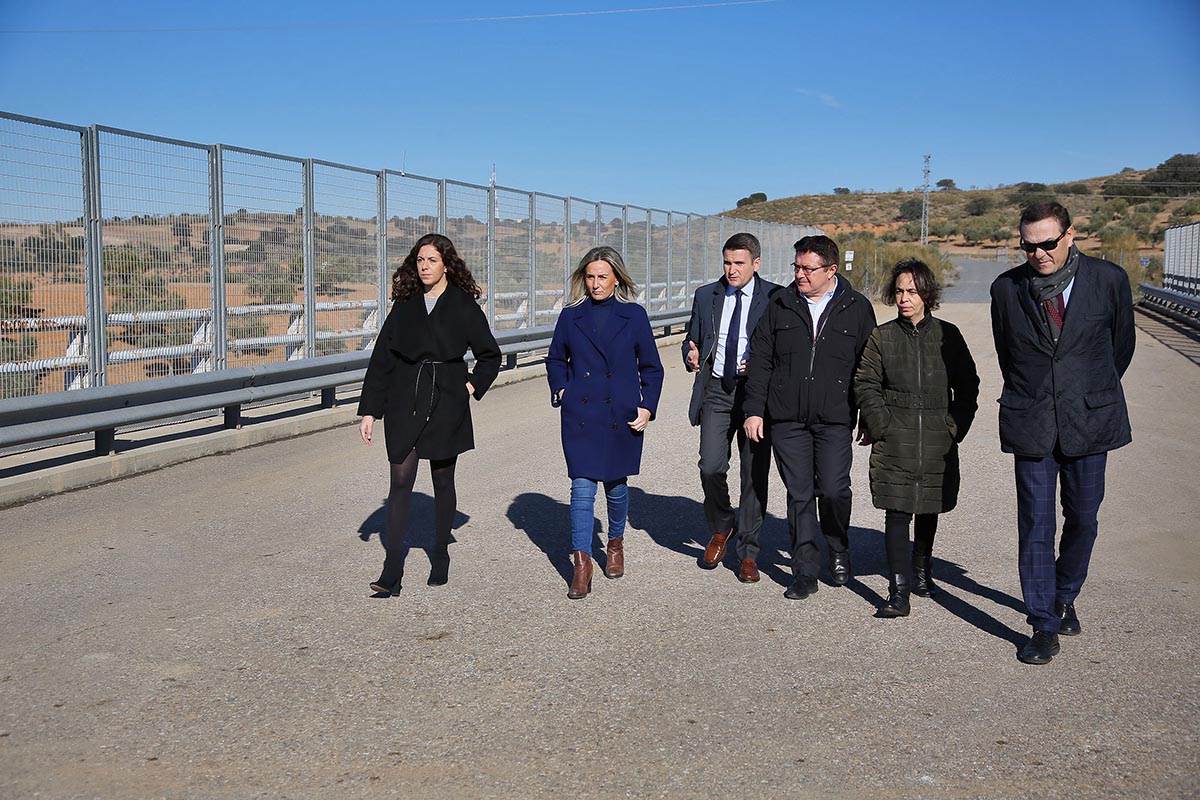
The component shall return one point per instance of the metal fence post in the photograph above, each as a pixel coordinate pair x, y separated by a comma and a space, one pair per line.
97, 339
381, 250
310, 268
491, 255
687, 287
216, 249
531, 298
596, 228
624, 231
649, 260
670, 241
441, 200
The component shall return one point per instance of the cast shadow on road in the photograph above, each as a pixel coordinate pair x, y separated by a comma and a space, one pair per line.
678, 524
420, 525
867, 554
547, 523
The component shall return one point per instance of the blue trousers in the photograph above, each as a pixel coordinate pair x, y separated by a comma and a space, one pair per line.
583, 505
1044, 579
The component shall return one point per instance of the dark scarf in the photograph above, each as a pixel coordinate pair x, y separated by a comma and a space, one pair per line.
1047, 290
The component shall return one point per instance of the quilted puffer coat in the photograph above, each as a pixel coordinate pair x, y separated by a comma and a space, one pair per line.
917, 392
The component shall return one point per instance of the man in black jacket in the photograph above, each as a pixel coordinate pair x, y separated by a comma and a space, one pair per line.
1063, 327
724, 314
802, 360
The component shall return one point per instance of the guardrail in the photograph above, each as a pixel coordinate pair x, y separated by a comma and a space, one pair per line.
101, 410
1177, 305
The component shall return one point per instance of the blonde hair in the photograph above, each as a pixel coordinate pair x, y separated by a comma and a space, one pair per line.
626, 291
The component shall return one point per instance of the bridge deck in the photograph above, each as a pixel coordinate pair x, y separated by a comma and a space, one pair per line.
206, 631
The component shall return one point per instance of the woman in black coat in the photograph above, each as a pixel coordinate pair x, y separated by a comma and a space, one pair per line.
606, 375
917, 392
418, 380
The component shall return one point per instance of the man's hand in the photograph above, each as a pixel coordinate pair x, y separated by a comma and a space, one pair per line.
693, 357
366, 429
754, 428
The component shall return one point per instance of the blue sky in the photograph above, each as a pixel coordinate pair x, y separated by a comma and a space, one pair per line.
686, 108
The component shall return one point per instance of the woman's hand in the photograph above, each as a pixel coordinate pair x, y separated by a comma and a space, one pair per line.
470, 389
643, 419
366, 428
864, 438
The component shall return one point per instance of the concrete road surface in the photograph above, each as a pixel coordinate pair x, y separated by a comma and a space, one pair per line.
206, 631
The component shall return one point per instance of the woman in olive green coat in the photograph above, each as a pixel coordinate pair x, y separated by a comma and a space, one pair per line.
917, 392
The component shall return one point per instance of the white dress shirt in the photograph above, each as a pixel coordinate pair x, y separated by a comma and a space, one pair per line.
718, 368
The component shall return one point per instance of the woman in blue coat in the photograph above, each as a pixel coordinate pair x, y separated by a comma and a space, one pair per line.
606, 376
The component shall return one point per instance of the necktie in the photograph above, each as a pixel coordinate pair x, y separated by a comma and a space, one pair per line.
729, 373
1057, 311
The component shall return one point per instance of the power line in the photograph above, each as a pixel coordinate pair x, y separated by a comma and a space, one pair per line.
394, 22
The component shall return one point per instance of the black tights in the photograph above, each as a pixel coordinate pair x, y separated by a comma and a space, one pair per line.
895, 537
445, 501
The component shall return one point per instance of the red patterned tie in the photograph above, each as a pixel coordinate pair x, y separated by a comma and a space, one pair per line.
1056, 310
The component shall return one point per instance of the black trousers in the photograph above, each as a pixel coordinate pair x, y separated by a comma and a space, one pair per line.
814, 463
721, 419
895, 539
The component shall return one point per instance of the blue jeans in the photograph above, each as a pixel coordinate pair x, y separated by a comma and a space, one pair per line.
583, 505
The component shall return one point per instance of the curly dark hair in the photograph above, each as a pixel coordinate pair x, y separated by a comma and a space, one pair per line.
923, 279
406, 282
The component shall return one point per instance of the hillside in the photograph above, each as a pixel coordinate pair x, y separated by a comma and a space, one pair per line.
1115, 215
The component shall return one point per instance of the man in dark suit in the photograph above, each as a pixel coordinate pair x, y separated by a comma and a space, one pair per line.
1063, 327
802, 358
724, 314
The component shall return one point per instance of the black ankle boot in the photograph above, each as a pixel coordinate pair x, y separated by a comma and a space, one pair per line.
923, 585
439, 573
389, 581
897, 601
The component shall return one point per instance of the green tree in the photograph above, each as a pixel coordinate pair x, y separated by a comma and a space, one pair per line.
911, 208
15, 296
947, 185
272, 284
978, 206
841, 190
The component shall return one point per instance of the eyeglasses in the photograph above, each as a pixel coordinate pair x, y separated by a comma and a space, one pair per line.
808, 270
1048, 246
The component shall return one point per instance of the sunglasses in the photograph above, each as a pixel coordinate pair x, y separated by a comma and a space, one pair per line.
1048, 246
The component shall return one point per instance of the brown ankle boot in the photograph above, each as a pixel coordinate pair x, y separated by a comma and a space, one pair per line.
614, 564
581, 583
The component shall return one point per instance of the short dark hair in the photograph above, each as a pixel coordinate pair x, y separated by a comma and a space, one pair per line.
744, 241
1045, 210
923, 279
823, 246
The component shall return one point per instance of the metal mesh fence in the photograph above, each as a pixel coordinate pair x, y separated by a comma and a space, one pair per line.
126, 256
157, 278
264, 257
512, 248
467, 227
612, 226
585, 231
42, 270
1181, 259
549, 257
412, 212
660, 265
345, 257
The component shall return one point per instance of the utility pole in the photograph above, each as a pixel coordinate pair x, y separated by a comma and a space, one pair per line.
925, 206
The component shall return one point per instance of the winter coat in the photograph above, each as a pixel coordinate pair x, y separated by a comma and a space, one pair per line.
917, 392
1069, 393
417, 376
606, 377
791, 377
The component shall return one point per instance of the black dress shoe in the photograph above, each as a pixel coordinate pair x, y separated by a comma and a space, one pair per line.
1070, 622
839, 568
801, 588
1040, 648
387, 589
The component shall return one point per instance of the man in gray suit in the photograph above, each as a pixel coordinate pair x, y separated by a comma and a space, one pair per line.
716, 347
